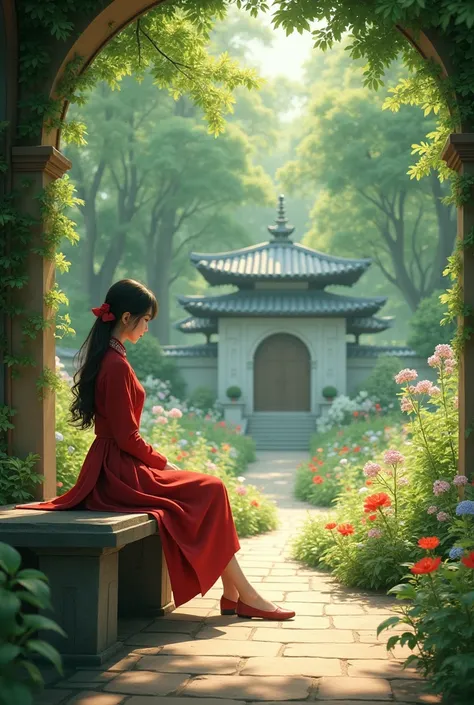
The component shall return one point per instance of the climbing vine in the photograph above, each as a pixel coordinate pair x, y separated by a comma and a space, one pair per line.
371, 24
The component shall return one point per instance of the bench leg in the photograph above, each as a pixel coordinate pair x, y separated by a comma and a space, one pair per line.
144, 583
84, 589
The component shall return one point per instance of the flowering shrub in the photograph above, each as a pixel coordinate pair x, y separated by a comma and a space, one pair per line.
405, 495
338, 457
343, 409
439, 612
194, 441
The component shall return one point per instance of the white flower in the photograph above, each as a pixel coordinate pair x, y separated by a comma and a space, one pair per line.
241, 479
158, 410
343, 461
363, 489
70, 450
59, 436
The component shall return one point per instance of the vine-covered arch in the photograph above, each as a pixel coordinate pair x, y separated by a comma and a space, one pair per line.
46, 82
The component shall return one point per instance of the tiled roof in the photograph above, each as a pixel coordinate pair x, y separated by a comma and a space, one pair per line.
271, 303
207, 326
368, 325
209, 350
354, 350
278, 261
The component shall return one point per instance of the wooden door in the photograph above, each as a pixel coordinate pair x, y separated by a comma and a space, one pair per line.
282, 374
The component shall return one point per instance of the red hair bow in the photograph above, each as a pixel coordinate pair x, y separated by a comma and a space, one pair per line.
103, 312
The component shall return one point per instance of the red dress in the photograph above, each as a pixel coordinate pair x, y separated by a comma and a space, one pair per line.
123, 473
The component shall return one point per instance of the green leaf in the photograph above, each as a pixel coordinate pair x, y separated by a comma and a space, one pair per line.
10, 559
8, 653
35, 673
391, 621
9, 605
37, 622
46, 651
28, 573
15, 693
37, 588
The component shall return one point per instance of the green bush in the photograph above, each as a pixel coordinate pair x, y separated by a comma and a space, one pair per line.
234, 392
147, 360
20, 677
202, 398
329, 392
380, 384
426, 330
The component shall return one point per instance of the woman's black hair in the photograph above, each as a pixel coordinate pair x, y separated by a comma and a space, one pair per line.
122, 297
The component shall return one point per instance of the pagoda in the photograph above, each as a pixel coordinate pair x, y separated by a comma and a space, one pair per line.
282, 337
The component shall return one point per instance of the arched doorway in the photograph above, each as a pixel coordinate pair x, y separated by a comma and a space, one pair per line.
282, 374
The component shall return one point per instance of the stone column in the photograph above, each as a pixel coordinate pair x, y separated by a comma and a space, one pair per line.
33, 169
459, 155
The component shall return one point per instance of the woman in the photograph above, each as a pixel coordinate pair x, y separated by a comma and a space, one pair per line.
123, 473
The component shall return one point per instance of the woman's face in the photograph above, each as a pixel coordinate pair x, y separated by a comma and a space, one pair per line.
136, 329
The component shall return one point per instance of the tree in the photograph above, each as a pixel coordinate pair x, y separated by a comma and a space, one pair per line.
427, 330
356, 155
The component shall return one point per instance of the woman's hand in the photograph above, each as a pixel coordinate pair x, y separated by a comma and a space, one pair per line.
171, 466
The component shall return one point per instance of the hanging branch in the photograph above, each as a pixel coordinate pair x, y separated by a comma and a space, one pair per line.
176, 64
139, 46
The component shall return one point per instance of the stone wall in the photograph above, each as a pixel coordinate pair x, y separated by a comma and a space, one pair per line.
359, 368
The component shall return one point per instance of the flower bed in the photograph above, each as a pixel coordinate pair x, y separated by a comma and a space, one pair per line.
422, 487
339, 454
194, 441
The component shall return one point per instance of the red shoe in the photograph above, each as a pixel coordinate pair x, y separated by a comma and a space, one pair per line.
246, 612
228, 607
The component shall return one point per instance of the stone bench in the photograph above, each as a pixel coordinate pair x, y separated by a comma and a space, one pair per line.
99, 565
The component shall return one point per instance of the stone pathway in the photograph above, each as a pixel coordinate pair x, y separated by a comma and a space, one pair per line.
328, 654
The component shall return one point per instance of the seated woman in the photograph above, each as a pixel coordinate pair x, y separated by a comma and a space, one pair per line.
123, 473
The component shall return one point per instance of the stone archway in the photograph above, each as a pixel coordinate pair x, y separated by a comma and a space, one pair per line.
35, 159
282, 374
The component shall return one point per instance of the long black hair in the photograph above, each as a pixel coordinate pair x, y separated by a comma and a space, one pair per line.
122, 297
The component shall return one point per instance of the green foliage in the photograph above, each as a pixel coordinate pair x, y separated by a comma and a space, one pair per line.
426, 328
202, 398
72, 443
438, 611
329, 392
147, 359
234, 392
380, 384
20, 677
18, 477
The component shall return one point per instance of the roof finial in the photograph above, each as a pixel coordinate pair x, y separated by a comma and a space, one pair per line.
281, 231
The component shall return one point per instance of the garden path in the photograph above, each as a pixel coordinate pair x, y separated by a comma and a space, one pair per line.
328, 654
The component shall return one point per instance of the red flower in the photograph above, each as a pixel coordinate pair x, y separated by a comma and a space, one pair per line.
426, 565
345, 529
318, 480
372, 517
356, 414
213, 450
429, 542
254, 503
356, 449
332, 525
174, 440
313, 468
59, 484
368, 483
469, 560
376, 501
378, 407
344, 449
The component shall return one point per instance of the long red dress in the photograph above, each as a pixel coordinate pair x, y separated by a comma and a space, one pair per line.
123, 473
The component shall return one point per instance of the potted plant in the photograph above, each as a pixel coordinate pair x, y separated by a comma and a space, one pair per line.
234, 393
329, 392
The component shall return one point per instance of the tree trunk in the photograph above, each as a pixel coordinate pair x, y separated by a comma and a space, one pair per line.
160, 276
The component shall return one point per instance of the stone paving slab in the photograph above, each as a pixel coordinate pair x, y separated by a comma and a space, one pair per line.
328, 655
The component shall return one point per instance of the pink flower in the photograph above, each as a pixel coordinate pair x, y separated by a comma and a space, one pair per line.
241, 490
403, 481
432, 509
434, 361
175, 413
460, 480
374, 533
423, 387
162, 420
449, 367
444, 351
371, 469
442, 516
393, 457
406, 376
406, 405
440, 487
434, 391
157, 410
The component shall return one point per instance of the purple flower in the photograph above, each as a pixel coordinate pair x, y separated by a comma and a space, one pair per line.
460, 480
374, 533
442, 516
432, 509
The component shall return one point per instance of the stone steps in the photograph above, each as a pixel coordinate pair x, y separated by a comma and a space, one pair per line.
281, 430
